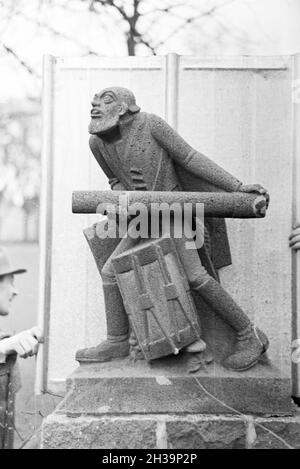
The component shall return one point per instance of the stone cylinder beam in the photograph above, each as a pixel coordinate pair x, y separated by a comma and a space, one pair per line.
216, 204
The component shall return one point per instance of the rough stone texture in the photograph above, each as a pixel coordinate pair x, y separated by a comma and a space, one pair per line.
125, 405
229, 109
207, 433
160, 322
166, 387
170, 432
61, 432
139, 151
288, 429
216, 204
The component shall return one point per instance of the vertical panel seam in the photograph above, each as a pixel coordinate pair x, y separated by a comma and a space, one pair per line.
45, 228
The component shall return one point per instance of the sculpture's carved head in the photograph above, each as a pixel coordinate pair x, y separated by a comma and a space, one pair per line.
109, 106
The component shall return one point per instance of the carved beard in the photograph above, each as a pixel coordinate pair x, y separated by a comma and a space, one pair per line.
101, 125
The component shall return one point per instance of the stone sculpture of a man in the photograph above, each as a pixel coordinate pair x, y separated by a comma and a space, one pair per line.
140, 151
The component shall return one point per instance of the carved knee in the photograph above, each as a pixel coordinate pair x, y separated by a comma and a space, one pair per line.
198, 277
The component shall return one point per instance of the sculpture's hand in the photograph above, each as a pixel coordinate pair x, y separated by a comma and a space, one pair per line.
255, 188
294, 238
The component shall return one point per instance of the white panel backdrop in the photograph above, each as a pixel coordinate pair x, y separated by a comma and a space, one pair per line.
238, 111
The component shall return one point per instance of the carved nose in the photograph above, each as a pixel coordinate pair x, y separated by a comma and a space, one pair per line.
95, 102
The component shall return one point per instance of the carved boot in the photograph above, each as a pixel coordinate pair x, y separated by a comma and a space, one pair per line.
113, 347
116, 345
252, 343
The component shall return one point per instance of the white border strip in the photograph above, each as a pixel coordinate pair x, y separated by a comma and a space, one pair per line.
239, 62
171, 90
296, 219
45, 229
111, 63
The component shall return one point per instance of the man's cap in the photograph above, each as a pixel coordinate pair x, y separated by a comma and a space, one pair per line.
5, 266
123, 95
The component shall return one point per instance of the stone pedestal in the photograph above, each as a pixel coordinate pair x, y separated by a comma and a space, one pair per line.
122, 404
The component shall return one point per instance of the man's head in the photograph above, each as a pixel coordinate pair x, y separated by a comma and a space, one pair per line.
109, 106
7, 288
7, 293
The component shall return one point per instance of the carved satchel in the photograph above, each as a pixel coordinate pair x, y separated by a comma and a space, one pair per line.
157, 297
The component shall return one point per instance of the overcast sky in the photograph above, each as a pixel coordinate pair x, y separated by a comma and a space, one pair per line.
30, 28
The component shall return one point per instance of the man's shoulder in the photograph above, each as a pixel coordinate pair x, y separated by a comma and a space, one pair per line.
141, 118
150, 117
156, 123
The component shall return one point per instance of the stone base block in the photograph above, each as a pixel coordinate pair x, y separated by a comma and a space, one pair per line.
165, 387
277, 433
126, 405
170, 432
62, 432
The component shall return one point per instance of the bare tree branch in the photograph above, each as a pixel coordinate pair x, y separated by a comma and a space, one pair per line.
169, 8
93, 10
193, 19
134, 36
10, 51
52, 30
112, 4
236, 34
130, 20
156, 17
141, 40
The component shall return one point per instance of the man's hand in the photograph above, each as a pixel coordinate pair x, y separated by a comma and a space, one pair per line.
25, 344
255, 188
294, 238
37, 333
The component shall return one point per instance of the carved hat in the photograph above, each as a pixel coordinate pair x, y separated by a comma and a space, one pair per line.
123, 95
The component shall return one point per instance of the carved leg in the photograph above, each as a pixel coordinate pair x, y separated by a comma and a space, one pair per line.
116, 345
251, 342
221, 302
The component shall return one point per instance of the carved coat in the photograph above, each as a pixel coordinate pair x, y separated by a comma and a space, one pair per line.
148, 154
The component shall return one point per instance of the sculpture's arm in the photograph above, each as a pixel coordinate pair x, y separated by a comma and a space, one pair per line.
192, 160
114, 182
